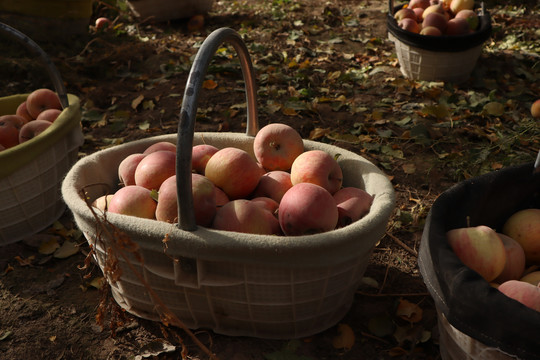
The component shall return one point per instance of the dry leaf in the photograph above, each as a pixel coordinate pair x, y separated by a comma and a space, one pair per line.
67, 249
409, 311
209, 84
49, 246
345, 338
137, 101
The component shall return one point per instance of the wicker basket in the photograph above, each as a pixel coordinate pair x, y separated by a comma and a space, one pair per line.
163, 10
232, 283
31, 173
437, 58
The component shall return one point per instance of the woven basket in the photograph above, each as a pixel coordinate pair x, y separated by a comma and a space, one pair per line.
31, 173
232, 283
437, 58
163, 10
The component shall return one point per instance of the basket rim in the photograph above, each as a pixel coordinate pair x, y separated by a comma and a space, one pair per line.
331, 247
16, 157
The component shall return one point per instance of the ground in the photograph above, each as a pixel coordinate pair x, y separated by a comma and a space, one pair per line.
325, 68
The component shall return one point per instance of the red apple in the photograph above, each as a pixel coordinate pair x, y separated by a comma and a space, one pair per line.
155, 168
243, 216
435, 8
273, 184
127, 167
160, 146
409, 25
32, 129
49, 115
418, 12
276, 146
422, 4
22, 111
457, 26
535, 109
102, 202
133, 200
515, 260
10, 127
40, 100
267, 203
102, 23
470, 16
200, 155
317, 167
307, 209
235, 171
458, 5
221, 197
353, 204
525, 293
431, 31
479, 248
437, 20
404, 13
524, 227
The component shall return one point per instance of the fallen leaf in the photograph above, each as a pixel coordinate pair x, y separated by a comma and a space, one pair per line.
409, 311
155, 348
209, 84
25, 262
345, 338
4, 335
49, 246
137, 101
67, 249
409, 168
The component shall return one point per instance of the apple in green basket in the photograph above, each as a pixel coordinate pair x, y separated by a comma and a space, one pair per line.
40, 100
127, 167
155, 168
524, 227
160, 146
273, 184
10, 127
353, 203
23, 112
200, 154
235, 171
472, 18
49, 115
32, 129
133, 200
479, 248
515, 260
535, 109
457, 5
245, 216
524, 292
307, 209
276, 146
317, 167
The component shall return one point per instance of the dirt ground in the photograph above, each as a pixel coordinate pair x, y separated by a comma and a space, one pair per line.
325, 68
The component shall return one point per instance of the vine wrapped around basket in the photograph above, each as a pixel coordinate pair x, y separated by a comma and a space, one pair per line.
233, 283
31, 173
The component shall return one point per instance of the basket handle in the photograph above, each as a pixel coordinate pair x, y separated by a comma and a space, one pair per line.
186, 125
21, 38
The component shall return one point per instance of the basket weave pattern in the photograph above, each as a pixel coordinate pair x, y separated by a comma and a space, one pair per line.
30, 198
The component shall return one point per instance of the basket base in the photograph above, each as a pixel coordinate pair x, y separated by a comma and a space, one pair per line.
420, 64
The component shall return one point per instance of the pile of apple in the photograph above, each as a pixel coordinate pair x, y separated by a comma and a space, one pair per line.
282, 190
510, 260
31, 118
438, 17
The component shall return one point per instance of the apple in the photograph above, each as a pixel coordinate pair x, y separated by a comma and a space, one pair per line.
2, 147
515, 260
532, 278
479, 248
353, 203
415, 4
133, 200
200, 154
127, 167
10, 127
470, 16
235, 171
307, 209
457, 5
435, 8
435, 19
155, 168
317, 167
457, 26
535, 109
418, 11
22, 111
267, 203
409, 25
49, 115
102, 23
276, 146
160, 146
32, 129
242, 215
221, 197
102, 202
431, 31
273, 184
405, 13
524, 227
40, 100
525, 293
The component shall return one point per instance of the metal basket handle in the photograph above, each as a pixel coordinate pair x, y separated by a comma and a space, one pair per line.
21, 38
186, 125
